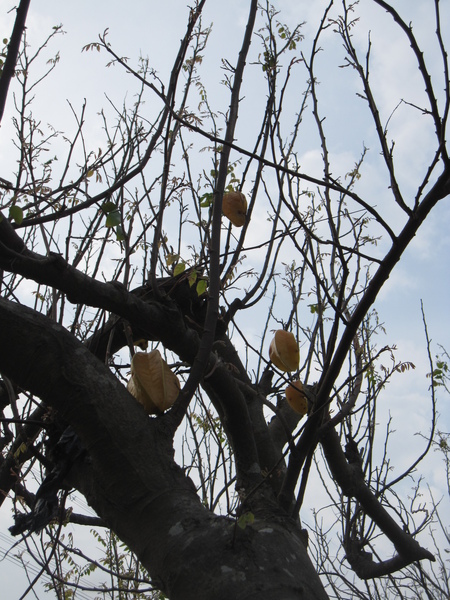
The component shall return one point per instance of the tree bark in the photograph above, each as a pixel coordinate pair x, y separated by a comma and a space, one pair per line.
130, 478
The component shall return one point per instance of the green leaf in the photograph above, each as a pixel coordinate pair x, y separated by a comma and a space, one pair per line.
120, 233
108, 207
179, 268
16, 214
201, 286
90, 173
171, 258
192, 277
206, 200
20, 450
246, 519
113, 218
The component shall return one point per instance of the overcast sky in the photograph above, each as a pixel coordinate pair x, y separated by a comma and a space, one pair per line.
154, 29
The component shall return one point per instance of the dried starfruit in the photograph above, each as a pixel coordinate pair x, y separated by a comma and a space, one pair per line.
152, 382
284, 352
296, 397
234, 207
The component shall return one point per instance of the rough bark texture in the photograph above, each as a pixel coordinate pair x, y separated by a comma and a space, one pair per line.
129, 477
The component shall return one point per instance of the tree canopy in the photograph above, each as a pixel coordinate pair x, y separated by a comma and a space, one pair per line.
188, 313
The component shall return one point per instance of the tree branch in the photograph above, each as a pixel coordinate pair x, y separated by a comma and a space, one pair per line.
350, 479
13, 53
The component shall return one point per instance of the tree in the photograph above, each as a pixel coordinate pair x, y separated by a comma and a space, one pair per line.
194, 284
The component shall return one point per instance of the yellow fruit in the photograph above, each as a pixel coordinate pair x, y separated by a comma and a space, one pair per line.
234, 207
296, 397
284, 352
152, 382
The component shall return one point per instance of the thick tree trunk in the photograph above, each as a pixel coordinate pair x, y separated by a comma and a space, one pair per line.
130, 478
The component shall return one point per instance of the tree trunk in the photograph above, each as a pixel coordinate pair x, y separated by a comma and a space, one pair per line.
129, 477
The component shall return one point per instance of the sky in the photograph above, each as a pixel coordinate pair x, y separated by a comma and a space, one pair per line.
154, 29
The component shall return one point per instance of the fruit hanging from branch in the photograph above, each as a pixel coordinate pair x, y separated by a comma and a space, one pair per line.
284, 352
152, 382
296, 397
234, 207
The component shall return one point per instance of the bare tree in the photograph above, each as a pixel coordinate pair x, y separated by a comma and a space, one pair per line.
139, 244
